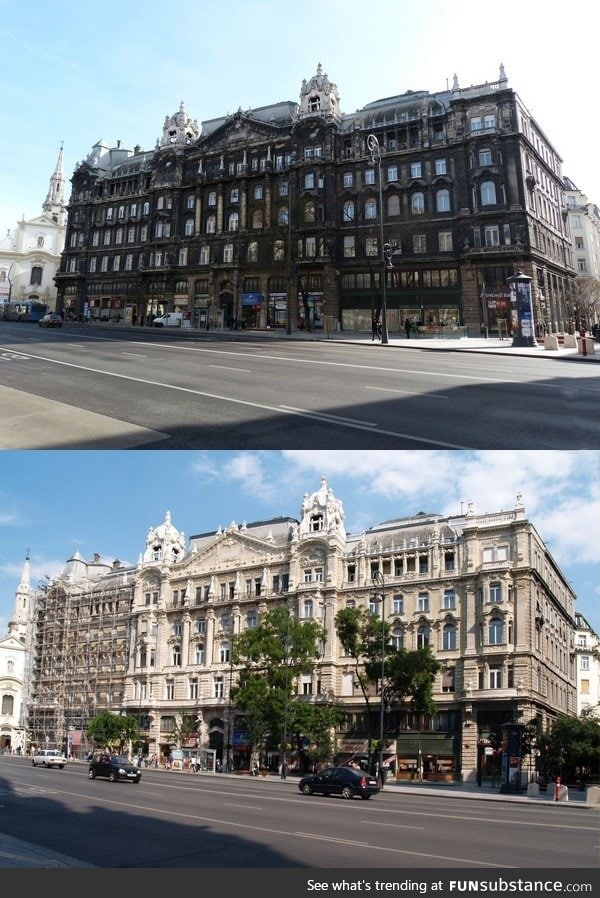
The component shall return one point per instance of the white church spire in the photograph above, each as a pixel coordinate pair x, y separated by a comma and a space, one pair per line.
17, 625
54, 204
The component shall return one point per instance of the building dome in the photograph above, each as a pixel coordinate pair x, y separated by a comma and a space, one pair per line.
179, 130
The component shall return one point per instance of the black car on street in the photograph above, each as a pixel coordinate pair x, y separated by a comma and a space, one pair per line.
344, 781
113, 767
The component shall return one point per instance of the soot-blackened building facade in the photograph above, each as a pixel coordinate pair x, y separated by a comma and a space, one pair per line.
271, 217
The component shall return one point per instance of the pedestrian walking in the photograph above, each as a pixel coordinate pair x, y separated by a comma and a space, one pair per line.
407, 327
374, 328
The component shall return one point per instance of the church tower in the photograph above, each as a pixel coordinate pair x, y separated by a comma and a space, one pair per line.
54, 204
17, 625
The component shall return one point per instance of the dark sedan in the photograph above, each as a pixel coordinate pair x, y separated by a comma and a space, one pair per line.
342, 781
113, 767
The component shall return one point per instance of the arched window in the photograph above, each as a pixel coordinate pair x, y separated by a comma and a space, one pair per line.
176, 656
393, 204
283, 215
279, 251
449, 636
234, 221
417, 203
252, 254
423, 637
211, 224
7, 705
36, 275
189, 227
348, 211
309, 211
488, 193
495, 631
257, 219
397, 639
371, 209
442, 200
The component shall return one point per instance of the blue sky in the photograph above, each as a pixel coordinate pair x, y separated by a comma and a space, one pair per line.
56, 503
80, 73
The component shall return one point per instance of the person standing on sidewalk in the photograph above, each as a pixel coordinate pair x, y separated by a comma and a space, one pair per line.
407, 327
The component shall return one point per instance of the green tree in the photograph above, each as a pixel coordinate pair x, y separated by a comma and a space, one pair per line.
571, 745
112, 731
271, 656
186, 728
406, 677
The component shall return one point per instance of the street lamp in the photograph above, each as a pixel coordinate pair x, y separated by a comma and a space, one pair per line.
385, 248
286, 699
379, 580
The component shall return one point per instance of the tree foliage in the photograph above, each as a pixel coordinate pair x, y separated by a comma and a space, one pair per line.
112, 731
572, 742
271, 657
407, 675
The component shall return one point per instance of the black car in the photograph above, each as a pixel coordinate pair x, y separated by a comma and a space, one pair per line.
342, 781
113, 767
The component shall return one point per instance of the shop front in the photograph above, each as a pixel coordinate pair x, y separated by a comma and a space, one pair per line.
426, 756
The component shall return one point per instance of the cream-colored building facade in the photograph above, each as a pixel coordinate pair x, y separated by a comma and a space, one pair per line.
154, 640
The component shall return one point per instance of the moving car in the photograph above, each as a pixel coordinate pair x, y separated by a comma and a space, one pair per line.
113, 767
51, 320
49, 757
342, 781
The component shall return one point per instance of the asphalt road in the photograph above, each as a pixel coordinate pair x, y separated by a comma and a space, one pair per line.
81, 387
180, 820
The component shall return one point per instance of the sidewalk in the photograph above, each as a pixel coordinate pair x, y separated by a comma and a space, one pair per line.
18, 853
491, 345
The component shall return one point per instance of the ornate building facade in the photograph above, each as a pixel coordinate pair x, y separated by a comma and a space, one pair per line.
154, 641
290, 215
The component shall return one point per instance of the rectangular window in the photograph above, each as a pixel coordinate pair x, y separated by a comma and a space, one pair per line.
348, 179
495, 592
370, 176
495, 678
392, 173
441, 167
398, 605
585, 662
218, 687
419, 243
423, 601
445, 241
492, 235
415, 170
309, 181
349, 247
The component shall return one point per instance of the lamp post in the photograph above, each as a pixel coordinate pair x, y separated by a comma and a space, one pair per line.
384, 249
286, 699
379, 580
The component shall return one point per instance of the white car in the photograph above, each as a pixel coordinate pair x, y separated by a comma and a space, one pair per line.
49, 757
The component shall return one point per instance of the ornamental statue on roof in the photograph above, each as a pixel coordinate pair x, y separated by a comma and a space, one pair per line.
319, 97
179, 130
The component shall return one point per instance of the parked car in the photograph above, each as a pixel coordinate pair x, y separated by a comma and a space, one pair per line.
52, 319
49, 757
342, 781
113, 767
